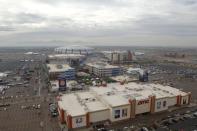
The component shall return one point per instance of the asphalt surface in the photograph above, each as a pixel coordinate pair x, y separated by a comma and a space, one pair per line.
21, 115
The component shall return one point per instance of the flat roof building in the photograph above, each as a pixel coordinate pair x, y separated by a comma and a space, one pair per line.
118, 102
81, 109
104, 69
63, 70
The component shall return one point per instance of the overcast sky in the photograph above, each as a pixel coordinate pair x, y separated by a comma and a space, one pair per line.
98, 22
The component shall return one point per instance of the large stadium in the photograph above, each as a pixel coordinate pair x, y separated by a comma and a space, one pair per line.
74, 49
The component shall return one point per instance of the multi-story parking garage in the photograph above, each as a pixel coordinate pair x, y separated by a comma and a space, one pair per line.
104, 69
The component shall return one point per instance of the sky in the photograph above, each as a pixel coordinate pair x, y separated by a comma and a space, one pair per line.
98, 22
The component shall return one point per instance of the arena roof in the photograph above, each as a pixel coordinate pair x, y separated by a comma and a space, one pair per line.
73, 48
66, 56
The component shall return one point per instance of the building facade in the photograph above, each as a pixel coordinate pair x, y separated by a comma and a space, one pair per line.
104, 69
61, 70
118, 102
119, 57
74, 49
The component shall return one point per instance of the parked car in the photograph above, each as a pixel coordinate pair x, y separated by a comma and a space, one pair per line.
53, 110
195, 114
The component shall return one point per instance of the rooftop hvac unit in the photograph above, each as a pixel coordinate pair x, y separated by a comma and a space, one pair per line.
86, 99
125, 91
113, 88
110, 93
154, 89
165, 91
86, 108
83, 103
138, 89
93, 99
59, 66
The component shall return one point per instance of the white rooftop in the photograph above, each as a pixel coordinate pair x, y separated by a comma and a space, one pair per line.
71, 105
114, 95
136, 91
74, 47
58, 67
77, 104
115, 100
102, 65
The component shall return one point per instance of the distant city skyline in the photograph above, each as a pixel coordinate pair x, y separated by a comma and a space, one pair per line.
98, 22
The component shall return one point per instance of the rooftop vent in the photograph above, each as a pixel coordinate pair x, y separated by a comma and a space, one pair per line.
110, 93
86, 99
86, 108
59, 66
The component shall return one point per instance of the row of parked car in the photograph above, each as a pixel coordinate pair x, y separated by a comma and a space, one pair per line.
103, 127
165, 123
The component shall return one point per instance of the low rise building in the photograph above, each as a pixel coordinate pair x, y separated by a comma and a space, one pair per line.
104, 69
118, 102
81, 109
61, 70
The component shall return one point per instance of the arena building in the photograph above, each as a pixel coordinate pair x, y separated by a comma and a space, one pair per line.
117, 102
74, 49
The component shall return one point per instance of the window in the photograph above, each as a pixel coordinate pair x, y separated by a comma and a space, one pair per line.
79, 120
117, 114
164, 103
124, 112
159, 105
184, 101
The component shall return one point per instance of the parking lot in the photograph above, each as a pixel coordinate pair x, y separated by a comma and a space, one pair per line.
23, 114
25, 104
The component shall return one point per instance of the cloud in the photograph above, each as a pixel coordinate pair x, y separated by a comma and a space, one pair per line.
187, 2
6, 28
97, 19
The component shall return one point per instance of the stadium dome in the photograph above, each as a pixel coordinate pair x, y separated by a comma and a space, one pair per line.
74, 49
